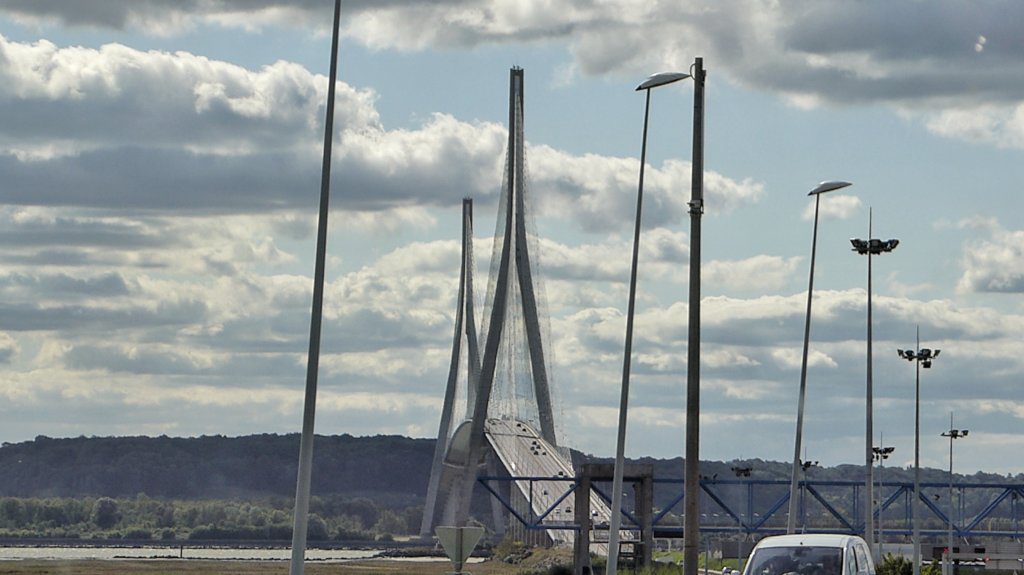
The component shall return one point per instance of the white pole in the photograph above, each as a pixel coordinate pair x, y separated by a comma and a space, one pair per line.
620, 446
305, 472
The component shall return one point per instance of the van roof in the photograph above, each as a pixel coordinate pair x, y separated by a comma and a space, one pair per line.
809, 539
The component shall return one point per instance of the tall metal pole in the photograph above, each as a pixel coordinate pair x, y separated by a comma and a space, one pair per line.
881, 491
952, 434
795, 476
869, 494
915, 511
691, 523
949, 524
620, 446
313, 362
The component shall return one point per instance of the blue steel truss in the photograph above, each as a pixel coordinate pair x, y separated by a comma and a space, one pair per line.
825, 506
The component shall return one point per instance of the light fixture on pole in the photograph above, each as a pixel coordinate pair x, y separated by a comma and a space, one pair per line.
620, 446
870, 247
795, 477
951, 434
880, 455
922, 358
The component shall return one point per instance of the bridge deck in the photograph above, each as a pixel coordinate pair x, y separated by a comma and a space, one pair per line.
524, 453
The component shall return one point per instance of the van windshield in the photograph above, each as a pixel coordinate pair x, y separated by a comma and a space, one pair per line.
802, 560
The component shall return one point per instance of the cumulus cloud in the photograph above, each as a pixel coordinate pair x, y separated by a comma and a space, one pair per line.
758, 273
175, 132
839, 207
833, 51
995, 264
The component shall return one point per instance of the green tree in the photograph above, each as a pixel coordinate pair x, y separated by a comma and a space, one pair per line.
316, 528
390, 523
105, 513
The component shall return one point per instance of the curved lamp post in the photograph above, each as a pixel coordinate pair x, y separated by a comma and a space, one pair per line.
923, 358
795, 478
870, 247
692, 523
654, 81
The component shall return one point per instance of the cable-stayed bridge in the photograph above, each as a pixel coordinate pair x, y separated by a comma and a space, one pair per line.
499, 414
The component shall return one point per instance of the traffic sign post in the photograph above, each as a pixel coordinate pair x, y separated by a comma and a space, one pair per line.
459, 543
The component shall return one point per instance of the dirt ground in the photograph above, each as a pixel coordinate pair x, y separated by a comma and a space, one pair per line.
174, 567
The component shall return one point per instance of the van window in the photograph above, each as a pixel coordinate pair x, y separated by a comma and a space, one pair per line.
802, 560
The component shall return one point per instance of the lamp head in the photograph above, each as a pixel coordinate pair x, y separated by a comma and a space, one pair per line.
660, 79
828, 187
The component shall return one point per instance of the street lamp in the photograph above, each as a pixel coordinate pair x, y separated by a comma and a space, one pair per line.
870, 247
794, 481
922, 358
951, 434
652, 82
880, 455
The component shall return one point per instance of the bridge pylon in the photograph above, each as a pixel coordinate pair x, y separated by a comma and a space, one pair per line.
510, 381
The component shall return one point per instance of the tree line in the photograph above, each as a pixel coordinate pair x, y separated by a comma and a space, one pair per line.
144, 518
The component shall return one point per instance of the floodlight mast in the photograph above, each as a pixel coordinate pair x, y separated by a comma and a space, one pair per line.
880, 455
951, 434
869, 247
795, 476
921, 358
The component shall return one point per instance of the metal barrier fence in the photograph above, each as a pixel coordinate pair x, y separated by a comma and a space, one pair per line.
758, 506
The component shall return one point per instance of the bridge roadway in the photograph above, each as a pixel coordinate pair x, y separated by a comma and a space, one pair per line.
525, 454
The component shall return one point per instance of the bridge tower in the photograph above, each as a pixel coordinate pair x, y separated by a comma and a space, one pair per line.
510, 382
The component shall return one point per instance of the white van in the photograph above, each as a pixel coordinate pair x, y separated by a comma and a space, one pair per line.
810, 554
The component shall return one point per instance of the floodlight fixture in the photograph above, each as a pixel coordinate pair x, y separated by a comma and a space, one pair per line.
873, 246
742, 471
882, 452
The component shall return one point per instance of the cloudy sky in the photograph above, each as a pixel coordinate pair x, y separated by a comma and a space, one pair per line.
160, 172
